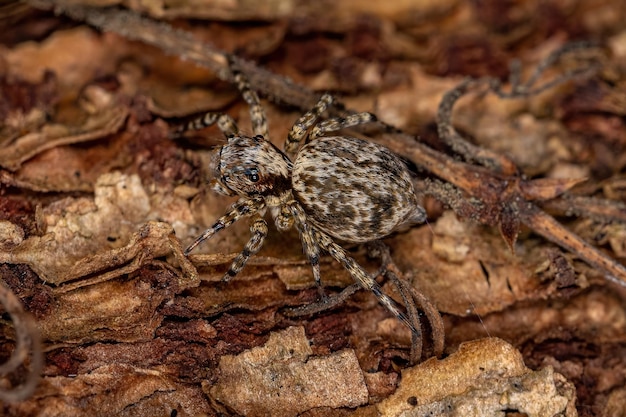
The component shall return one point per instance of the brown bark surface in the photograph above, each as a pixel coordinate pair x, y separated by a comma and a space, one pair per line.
523, 179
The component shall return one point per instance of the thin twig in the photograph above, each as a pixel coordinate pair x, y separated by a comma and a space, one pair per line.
26, 341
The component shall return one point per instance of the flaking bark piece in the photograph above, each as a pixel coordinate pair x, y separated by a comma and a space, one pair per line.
281, 379
100, 114
596, 317
152, 240
78, 230
483, 378
113, 390
481, 275
95, 127
113, 310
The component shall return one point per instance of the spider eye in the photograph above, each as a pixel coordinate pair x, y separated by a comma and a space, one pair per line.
252, 174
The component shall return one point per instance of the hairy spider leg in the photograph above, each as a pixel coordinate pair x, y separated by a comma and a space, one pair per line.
337, 123
299, 129
224, 122
257, 114
244, 207
309, 244
362, 278
254, 245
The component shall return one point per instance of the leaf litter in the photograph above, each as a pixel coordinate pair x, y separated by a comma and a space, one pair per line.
92, 191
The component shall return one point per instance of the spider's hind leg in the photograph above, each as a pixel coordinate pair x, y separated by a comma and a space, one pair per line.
300, 128
364, 279
337, 123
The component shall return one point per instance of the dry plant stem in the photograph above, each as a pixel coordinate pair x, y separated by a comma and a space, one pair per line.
499, 193
27, 340
548, 227
486, 157
453, 139
417, 340
528, 88
379, 250
591, 207
512, 195
476, 181
415, 300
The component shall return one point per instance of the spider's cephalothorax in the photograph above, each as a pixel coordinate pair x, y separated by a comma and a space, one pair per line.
249, 166
337, 187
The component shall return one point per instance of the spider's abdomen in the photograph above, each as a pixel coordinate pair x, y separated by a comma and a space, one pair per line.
354, 190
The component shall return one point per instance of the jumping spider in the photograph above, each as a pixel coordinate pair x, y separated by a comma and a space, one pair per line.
337, 187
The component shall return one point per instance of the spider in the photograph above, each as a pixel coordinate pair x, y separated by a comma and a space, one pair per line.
337, 187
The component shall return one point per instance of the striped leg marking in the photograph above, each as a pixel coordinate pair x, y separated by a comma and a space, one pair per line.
362, 278
242, 208
254, 245
224, 122
299, 129
309, 244
257, 114
338, 123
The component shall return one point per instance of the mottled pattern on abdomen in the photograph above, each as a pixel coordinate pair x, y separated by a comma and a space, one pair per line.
354, 190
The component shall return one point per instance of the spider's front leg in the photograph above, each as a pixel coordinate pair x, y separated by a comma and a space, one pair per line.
257, 114
224, 122
245, 207
301, 126
254, 245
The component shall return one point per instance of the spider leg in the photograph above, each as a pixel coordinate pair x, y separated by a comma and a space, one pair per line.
224, 122
259, 232
309, 244
257, 114
363, 278
243, 207
338, 123
299, 129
